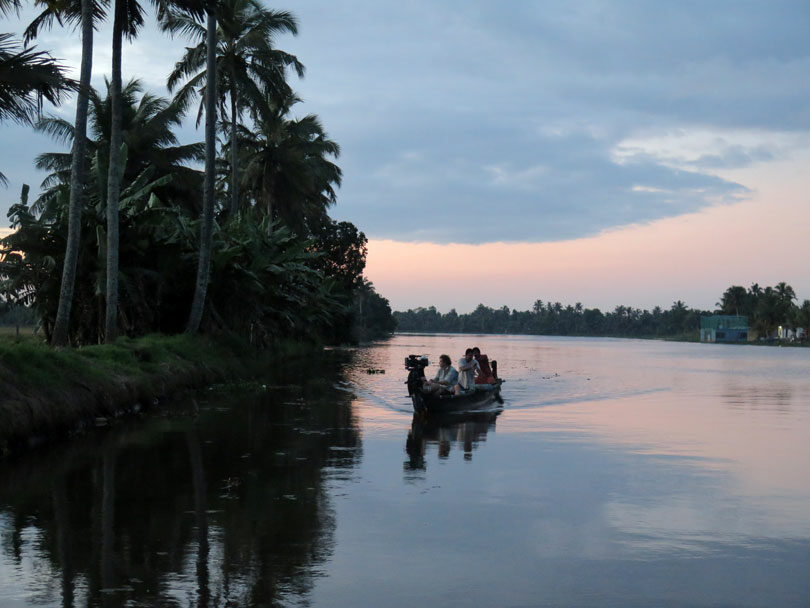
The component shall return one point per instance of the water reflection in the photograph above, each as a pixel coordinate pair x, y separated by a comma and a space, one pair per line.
222, 504
622, 473
464, 430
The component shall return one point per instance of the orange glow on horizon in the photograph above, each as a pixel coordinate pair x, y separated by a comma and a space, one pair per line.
692, 257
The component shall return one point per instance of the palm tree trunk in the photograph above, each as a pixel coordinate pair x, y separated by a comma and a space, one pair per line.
268, 184
234, 143
114, 182
77, 170
207, 228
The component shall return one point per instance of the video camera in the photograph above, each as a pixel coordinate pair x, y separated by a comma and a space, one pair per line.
416, 362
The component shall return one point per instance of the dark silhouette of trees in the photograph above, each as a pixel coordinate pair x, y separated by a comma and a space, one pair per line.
766, 309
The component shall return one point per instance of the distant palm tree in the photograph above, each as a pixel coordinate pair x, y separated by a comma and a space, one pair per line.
250, 70
734, 300
785, 292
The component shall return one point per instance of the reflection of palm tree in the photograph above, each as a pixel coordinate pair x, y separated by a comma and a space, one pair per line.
61, 514
107, 514
200, 512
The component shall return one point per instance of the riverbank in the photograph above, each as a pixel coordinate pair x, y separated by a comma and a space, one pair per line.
48, 394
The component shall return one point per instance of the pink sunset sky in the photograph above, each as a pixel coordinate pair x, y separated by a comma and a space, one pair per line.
694, 257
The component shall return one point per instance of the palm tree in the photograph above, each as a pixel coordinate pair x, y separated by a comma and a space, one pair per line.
26, 77
153, 158
9, 6
734, 300
288, 173
128, 17
249, 69
87, 13
207, 226
148, 125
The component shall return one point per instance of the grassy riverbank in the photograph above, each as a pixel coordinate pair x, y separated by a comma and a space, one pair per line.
49, 393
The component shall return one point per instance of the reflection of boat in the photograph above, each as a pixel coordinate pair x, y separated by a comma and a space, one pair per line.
444, 430
479, 399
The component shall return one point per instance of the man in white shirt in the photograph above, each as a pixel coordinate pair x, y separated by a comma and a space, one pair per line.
466, 372
445, 379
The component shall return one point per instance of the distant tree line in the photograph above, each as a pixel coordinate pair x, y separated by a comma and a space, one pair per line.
766, 309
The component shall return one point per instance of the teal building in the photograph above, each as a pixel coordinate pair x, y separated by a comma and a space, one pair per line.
724, 328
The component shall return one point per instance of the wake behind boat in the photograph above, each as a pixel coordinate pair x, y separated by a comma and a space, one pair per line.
481, 398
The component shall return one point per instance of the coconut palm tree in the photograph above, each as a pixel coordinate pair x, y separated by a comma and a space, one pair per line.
87, 13
249, 69
9, 6
266, 72
27, 76
148, 125
153, 157
207, 224
288, 173
734, 301
128, 17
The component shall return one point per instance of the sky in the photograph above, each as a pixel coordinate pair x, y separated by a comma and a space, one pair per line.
623, 152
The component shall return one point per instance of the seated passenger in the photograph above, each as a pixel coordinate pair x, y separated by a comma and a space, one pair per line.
444, 380
467, 367
485, 375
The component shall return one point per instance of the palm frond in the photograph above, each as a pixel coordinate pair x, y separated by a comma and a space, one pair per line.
27, 77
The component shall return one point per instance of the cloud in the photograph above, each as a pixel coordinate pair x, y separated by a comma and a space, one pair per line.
706, 149
474, 121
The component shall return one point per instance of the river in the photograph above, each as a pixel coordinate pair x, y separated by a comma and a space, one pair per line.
616, 473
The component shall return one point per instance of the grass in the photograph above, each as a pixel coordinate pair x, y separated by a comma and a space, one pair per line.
48, 392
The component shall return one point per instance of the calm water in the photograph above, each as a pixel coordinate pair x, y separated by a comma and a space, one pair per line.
617, 473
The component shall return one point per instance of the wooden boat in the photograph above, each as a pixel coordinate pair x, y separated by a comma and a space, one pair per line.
481, 398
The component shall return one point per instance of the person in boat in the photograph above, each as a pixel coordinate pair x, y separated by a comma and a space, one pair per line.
467, 367
485, 375
445, 379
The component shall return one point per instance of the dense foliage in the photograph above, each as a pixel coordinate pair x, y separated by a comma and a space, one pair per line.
766, 309
276, 264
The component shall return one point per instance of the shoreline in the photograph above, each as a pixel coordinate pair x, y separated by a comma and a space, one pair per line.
47, 395
674, 338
